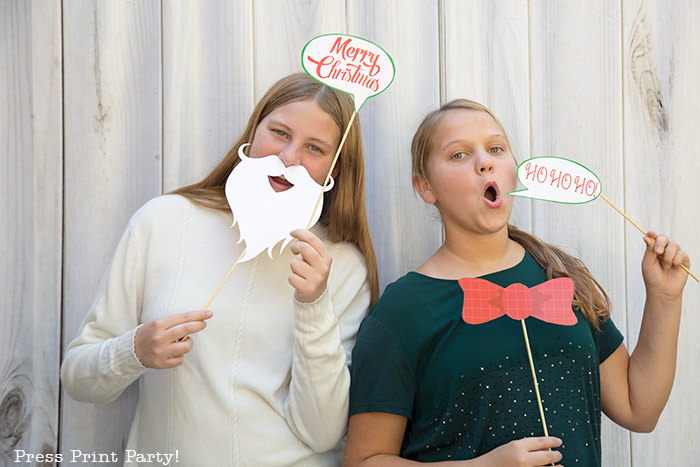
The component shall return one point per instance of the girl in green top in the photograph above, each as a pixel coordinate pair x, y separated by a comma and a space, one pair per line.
427, 386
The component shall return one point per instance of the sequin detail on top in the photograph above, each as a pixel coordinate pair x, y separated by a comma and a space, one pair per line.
502, 406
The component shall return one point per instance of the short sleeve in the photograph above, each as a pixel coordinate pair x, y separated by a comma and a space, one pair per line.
609, 339
385, 384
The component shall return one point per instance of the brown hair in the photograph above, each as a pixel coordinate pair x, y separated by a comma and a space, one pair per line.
344, 211
589, 296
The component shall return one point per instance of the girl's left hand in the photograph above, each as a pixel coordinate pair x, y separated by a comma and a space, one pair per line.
309, 275
661, 265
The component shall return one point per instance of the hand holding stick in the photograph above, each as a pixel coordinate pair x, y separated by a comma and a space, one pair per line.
644, 232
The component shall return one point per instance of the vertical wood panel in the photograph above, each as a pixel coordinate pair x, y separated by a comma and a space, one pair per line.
485, 58
17, 229
30, 233
47, 135
576, 108
662, 134
208, 94
112, 165
280, 31
405, 231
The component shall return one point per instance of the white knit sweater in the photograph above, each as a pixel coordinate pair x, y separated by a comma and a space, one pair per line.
266, 382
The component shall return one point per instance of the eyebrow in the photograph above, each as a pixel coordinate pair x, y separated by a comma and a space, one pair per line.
460, 140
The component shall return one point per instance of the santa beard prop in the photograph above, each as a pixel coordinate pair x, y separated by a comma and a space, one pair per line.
266, 217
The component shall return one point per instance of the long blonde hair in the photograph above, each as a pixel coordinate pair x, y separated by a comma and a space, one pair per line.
344, 211
589, 296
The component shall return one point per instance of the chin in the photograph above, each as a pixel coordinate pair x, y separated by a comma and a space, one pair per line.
496, 227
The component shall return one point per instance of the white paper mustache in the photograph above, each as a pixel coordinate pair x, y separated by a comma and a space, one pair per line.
266, 217
273, 166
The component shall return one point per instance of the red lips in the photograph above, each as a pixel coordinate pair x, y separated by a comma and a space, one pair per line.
279, 184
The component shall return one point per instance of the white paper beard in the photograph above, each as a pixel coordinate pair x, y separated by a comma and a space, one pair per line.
264, 216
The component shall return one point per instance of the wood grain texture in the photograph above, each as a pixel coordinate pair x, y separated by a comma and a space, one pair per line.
47, 139
208, 91
30, 233
576, 112
661, 135
291, 24
112, 165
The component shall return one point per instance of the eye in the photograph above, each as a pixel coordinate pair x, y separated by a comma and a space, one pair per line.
315, 148
281, 133
496, 150
459, 156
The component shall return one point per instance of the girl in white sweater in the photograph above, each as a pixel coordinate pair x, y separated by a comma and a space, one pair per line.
266, 383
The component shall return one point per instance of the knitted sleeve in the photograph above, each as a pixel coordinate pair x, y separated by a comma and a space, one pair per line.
325, 331
100, 362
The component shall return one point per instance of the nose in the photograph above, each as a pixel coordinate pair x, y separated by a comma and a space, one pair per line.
289, 155
484, 163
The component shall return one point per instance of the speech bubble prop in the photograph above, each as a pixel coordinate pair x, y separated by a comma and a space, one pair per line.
557, 179
349, 64
552, 178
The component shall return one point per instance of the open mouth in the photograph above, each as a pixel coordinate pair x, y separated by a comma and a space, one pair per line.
279, 183
490, 194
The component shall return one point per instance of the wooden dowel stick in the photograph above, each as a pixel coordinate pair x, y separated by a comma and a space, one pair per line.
644, 232
534, 377
225, 279
328, 176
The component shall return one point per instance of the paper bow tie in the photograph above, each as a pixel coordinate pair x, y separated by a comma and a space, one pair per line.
549, 301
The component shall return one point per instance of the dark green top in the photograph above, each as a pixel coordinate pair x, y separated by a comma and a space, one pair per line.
467, 389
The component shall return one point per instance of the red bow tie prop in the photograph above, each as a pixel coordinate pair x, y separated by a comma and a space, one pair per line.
549, 301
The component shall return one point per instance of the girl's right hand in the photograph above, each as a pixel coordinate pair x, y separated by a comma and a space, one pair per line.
526, 452
163, 342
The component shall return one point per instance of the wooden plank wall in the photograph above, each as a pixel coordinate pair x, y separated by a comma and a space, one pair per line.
31, 186
106, 103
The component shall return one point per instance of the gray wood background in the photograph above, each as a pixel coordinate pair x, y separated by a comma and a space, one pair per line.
107, 103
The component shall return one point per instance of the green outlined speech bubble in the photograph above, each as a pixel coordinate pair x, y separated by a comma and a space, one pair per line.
557, 179
350, 64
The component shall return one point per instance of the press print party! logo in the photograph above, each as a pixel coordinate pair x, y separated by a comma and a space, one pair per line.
349, 64
76, 456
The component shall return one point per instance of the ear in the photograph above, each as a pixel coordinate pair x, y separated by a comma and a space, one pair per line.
336, 170
422, 186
